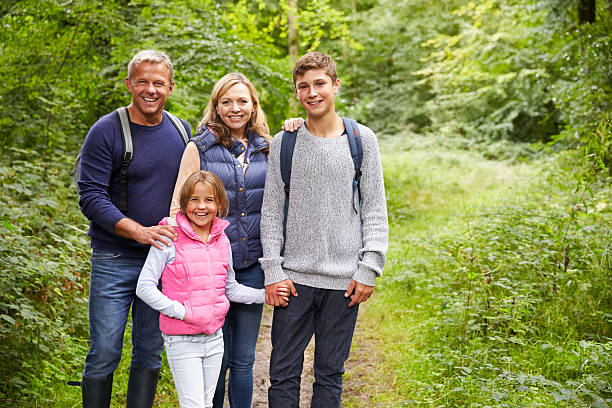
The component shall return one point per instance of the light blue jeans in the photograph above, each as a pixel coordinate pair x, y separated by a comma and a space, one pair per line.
195, 361
112, 292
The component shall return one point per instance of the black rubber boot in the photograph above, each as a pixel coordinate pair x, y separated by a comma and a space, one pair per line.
141, 387
97, 392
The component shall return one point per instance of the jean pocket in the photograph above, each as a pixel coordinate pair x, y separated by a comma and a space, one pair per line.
104, 255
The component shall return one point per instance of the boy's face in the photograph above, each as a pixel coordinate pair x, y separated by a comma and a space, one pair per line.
316, 91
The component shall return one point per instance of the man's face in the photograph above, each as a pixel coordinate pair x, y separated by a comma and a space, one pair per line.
316, 91
150, 86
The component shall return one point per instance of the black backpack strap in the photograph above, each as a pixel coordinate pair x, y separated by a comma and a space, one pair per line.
128, 155
286, 161
355, 143
179, 125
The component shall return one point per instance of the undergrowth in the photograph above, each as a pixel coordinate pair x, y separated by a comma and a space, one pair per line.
43, 246
497, 289
44, 288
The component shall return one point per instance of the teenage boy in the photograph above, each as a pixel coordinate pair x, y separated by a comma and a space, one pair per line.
121, 239
333, 248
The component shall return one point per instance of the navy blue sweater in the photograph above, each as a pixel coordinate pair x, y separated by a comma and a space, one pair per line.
151, 176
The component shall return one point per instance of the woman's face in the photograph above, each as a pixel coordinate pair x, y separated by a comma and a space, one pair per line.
235, 108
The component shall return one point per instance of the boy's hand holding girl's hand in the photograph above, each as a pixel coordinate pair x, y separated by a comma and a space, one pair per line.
277, 294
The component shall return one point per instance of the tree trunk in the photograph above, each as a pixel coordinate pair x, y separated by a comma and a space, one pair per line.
292, 30
292, 36
586, 11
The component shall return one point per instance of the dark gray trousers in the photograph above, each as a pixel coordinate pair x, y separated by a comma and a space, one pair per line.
324, 313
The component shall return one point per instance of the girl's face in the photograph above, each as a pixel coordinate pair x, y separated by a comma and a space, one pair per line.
235, 108
202, 207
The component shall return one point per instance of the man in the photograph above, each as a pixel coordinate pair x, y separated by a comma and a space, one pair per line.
333, 248
120, 240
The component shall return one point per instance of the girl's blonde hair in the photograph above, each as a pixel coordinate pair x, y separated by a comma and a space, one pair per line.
206, 177
212, 120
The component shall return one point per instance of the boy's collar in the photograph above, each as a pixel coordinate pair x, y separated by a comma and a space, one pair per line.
325, 128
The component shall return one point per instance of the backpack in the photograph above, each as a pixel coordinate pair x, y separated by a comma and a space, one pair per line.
128, 152
286, 161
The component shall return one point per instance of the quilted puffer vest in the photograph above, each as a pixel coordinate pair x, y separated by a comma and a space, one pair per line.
244, 190
197, 279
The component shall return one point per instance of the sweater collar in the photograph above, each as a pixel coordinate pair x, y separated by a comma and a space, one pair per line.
216, 229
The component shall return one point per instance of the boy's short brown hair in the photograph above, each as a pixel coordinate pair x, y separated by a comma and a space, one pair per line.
315, 60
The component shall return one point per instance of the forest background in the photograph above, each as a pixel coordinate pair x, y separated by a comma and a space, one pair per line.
494, 123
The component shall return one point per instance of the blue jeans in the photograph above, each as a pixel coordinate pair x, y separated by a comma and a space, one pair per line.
324, 313
240, 333
112, 291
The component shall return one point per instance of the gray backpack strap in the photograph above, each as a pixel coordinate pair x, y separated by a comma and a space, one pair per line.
180, 127
128, 155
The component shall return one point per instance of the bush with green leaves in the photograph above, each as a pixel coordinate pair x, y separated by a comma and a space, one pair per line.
44, 259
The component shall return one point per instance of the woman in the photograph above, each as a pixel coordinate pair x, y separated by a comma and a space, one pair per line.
232, 141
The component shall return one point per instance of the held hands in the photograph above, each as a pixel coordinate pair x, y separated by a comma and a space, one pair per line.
277, 294
292, 124
358, 292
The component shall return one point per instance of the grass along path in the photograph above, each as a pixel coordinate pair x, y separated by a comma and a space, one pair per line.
450, 325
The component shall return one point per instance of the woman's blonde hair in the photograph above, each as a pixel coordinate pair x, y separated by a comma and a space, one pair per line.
212, 120
206, 177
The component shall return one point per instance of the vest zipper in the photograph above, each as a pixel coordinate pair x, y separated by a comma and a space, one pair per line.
210, 275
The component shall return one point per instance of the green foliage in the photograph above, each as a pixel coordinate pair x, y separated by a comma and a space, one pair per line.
580, 57
205, 49
379, 86
489, 79
43, 240
54, 55
318, 22
497, 288
65, 63
505, 302
518, 70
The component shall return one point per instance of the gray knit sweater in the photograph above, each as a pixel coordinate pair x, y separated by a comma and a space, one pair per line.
328, 244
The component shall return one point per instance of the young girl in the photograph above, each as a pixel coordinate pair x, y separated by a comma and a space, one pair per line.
197, 281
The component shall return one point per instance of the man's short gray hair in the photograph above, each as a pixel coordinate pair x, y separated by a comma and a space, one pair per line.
157, 57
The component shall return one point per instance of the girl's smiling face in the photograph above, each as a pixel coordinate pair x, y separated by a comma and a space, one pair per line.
201, 208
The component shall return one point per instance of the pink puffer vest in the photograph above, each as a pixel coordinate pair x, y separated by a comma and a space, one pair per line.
197, 279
